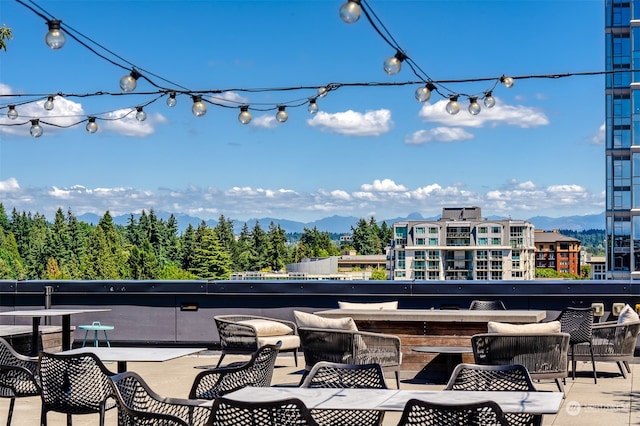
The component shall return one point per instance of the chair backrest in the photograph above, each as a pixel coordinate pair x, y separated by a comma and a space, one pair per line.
258, 372
17, 373
335, 375
475, 377
543, 355
139, 405
578, 322
285, 412
73, 384
514, 377
487, 305
423, 413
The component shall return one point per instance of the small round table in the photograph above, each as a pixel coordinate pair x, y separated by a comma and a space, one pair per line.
452, 355
95, 327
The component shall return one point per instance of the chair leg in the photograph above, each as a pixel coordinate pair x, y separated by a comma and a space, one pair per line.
295, 356
593, 365
560, 385
43, 417
220, 361
398, 379
11, 404
69, 422
626, 364
622, 368
573, 365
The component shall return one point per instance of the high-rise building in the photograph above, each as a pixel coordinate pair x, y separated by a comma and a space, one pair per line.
462, 245
622, 90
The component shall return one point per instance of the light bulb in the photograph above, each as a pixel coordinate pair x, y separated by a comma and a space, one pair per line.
12, 113
92, 126
489, 100
140, 114
453, 107
48, 105
198, 108
322, 92
507, 81
245, 116
474, 108
36, 129
55, 38
423, 94
171, 100
129, 82
393, 64
313, 106
282, 115
350, 11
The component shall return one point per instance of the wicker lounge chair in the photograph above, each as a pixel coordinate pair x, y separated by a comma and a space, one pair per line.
544, 355
286, 412
423, 413
350, 347
244, 334
17, 376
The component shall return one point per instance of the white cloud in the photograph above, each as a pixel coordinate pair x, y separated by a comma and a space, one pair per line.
437, 134
600, 137
65, 113
384, 196
265, 121
352, 123
500, 114
124, 122
229, 98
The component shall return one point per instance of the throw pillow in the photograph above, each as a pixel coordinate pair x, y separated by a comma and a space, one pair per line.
307, 320
266, 328
376, 306
627, 314
535, 328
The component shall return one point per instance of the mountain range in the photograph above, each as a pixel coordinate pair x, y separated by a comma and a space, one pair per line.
343, 224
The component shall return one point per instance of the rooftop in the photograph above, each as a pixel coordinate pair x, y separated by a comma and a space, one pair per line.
613, 401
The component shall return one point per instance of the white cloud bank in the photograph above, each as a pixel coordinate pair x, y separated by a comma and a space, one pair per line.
383, 198
352, 123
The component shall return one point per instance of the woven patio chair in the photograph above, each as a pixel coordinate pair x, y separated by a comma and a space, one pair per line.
140, 406
285, 412
543, 355
346, 376
244, 334
216, 382
611, 342
487, 305
17, 376
578, 322
422, 413
74, 384
350, 347
474, 377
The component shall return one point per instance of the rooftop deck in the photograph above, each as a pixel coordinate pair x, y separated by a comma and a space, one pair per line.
613, 401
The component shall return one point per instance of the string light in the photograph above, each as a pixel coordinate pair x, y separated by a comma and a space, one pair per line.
282, 115
36, 129
350, 11
55, 38
423, 94
474, 107
198, 108
245, 116
453, 107
48, 105
489, 100
129, 82
92, 126
507, 81
171, 100
322, 92
12, 114
393, 64
140, 114
313, 106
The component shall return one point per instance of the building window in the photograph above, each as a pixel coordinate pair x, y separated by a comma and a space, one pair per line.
482, 230
433, 241
401, 274
483, 241
418, 275
515, 254
482, 254
420, 241
433, 230
496, 230
420, 255
496, 241
482, 275
419, 231
496, 275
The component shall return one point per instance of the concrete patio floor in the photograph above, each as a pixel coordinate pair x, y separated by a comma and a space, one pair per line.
612, 401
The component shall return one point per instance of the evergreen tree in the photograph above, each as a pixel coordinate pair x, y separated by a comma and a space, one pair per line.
172, 241
98, 261
12, 266
243, 258
277, 249
363, 240
210, 260
78, 236
188, 241
259, 248
143, 264
5, 225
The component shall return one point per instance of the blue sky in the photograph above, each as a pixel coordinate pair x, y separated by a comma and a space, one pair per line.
370, 150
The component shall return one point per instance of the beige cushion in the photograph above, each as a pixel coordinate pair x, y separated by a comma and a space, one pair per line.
288, 342
377, 306
266, 328
627, 314
535, 328
304, 319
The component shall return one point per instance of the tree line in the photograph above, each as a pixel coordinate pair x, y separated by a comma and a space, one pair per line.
150, 248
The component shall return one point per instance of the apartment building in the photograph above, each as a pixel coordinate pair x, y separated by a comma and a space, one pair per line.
461, 245
557, 252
